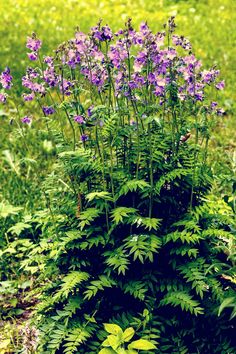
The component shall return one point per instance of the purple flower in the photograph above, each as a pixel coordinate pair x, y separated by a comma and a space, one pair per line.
73, 58
50, 77
32, 56
26, 120
6, 79
220, 112
140, 61
214, 105
48, 110
65, 86
144, 29
48, 60
28, 97
84, 137
32, 73
160, 84
118, 53
33, 86
79, 119
90, 111
181, 41
33, 43
220, 85
3, 97
102, 34
209, 76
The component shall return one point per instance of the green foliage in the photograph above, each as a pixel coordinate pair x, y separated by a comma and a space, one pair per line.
70, 281
117, 341
182, 299
168, 274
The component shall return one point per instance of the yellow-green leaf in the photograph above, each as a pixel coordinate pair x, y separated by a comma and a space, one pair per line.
128, 334
142, 344
107, 351
112, 328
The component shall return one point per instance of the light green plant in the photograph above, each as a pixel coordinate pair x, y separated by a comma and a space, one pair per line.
119, 342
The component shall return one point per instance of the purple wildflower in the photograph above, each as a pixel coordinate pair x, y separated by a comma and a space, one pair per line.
220, 112
84, 137
209, 76
33, 86
65, 86
220, 85
48, 60
33, 43
32, 56
181, 41
3, 97
140, 61
214, 105
6, 79
90, 111
48, 110
28, 97
50, 76
102, 34
26, 120
144, 29
73, 58
32, 73
79, 119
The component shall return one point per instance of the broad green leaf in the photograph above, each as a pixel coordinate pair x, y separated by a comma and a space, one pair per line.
7, 209
142, 344
128, 334
121, 351
106, 343
107, 351
114, 341
112, 328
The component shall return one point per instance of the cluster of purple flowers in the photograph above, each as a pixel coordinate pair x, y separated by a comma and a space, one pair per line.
34, 44
48, 110
6, 79
132, 64
26, 120
126, 62
6, 82
79, 119
102, 34
32, 81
